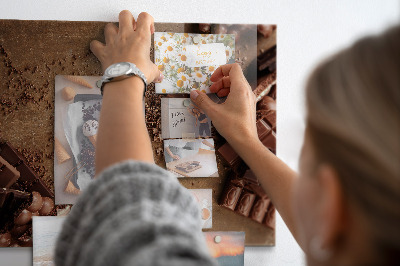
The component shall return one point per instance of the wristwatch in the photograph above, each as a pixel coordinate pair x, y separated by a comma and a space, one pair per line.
120, 71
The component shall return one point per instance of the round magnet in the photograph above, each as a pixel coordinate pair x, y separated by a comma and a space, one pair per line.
217, 239
98, 83
196, 39
187, 102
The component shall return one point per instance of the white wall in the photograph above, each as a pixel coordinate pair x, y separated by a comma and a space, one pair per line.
307, 32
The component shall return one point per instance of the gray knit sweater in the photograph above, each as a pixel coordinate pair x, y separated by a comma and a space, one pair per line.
134, 213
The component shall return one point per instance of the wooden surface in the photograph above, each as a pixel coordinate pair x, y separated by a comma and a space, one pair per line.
32, 53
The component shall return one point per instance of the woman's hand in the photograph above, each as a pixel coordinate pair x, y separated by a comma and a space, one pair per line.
235, 119
128, 43
176, 157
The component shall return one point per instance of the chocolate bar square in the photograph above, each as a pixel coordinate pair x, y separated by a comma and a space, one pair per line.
250, 177
11, 155
270, 217
259, 209
245, 203
8, 174
231, 195
229, 155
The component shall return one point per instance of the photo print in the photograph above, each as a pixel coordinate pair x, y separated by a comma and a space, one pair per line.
180, 118
77, 112
188, 60
226, 247
204, 199
45, 233
191, 157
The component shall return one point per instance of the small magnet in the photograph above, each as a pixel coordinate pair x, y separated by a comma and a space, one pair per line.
98, 83
187, 102
217, 239
196, 39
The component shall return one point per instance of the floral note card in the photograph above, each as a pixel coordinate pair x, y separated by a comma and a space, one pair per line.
188, 60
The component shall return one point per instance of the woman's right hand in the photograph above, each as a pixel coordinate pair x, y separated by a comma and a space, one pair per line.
235, 118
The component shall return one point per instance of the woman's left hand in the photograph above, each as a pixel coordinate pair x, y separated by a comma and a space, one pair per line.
130, 42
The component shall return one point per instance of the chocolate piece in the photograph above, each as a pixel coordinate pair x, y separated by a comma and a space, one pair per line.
245, 203
37, 202
259, 209
272, 93
33, 182
204, 27
238, 182
5, 239
229, 154
258, 190
266, 30
263, 128
231, 195
8, 174
25, 241
270, 217
23, 218
47, 207
270, 117
266, 134
263, 89
10, 201
8, 195
267, 60
269, 141
11, 155
267, 103
19, 230
250, 177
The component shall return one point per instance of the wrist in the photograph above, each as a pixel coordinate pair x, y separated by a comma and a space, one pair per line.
129, 86
243, 140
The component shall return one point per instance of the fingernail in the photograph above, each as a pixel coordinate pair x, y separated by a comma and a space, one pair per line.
160, 78
193, 94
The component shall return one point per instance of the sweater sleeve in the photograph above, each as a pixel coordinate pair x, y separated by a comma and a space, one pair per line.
134, 213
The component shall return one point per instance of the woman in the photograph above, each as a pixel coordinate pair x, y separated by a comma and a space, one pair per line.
201, 117
343, 209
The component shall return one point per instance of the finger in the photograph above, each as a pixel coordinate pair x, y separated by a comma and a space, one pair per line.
110, 31
202, 101
223, 92
125, 22
145, 23
227, 70
225, 82
97, 49
157, 76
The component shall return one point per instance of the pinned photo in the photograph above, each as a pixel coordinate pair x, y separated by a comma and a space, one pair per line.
191, 157
226, 247
45, 233
180, 118
188, 60
204, 198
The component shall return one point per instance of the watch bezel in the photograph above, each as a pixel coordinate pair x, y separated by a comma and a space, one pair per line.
110, 75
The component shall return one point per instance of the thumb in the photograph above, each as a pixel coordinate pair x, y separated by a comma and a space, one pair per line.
202, 101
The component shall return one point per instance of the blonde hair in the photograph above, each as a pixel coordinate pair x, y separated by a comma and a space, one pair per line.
353, 120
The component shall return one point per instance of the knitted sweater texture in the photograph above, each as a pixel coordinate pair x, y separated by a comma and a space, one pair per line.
134, 213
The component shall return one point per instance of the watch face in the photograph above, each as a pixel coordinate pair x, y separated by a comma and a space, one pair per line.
117, 69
